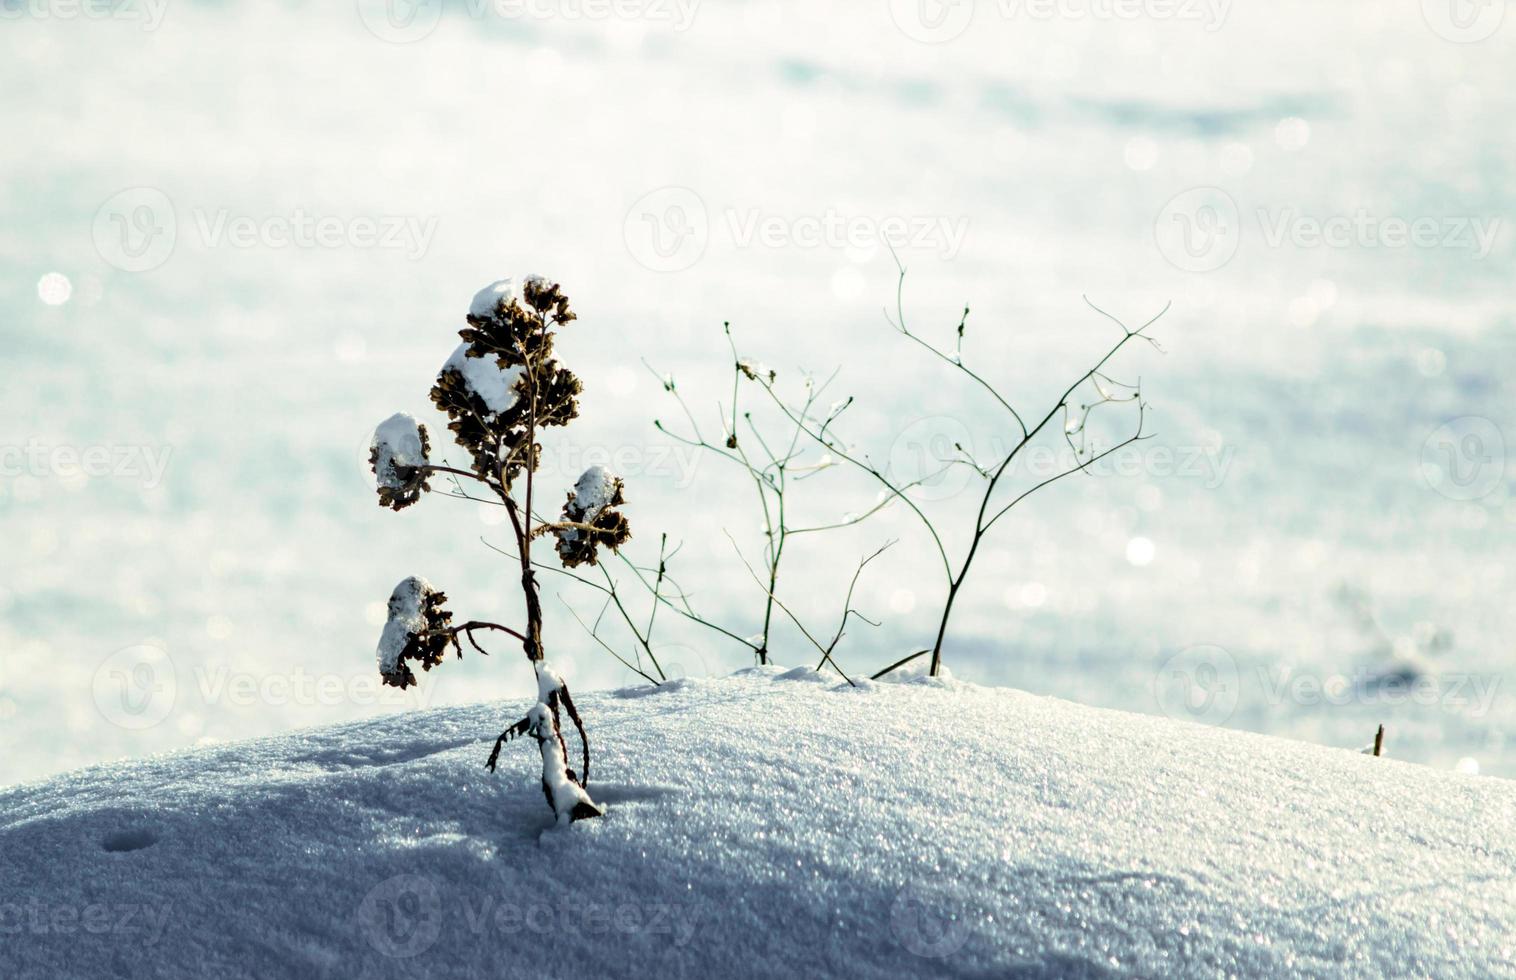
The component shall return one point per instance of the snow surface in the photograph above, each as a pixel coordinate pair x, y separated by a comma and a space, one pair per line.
405, 621
765, 824
485, 378
487, 299
398, 440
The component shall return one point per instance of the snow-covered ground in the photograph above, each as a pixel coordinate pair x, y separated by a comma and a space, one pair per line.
222, 572
765, 824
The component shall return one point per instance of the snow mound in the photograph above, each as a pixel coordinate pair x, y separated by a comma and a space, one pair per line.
495, 386
757, 828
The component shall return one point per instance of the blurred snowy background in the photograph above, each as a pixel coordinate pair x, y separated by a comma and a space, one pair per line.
235, 237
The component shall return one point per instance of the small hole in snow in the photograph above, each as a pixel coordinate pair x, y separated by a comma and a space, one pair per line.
129, 840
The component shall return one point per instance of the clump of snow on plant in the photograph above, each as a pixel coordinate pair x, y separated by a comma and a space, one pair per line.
405, 621
486, 300
495, 386
549, 681
398, 444
591, 495
566, 794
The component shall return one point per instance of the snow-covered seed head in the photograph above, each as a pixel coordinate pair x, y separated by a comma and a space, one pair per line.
489, 301
504, 377
494, 384
416, 612
592, 503
398, 456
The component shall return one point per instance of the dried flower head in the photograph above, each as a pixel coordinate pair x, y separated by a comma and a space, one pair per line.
398, 456
590, 505
504, 377
416, 613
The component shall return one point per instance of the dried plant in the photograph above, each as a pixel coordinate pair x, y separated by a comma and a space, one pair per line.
773, 464
499, 389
